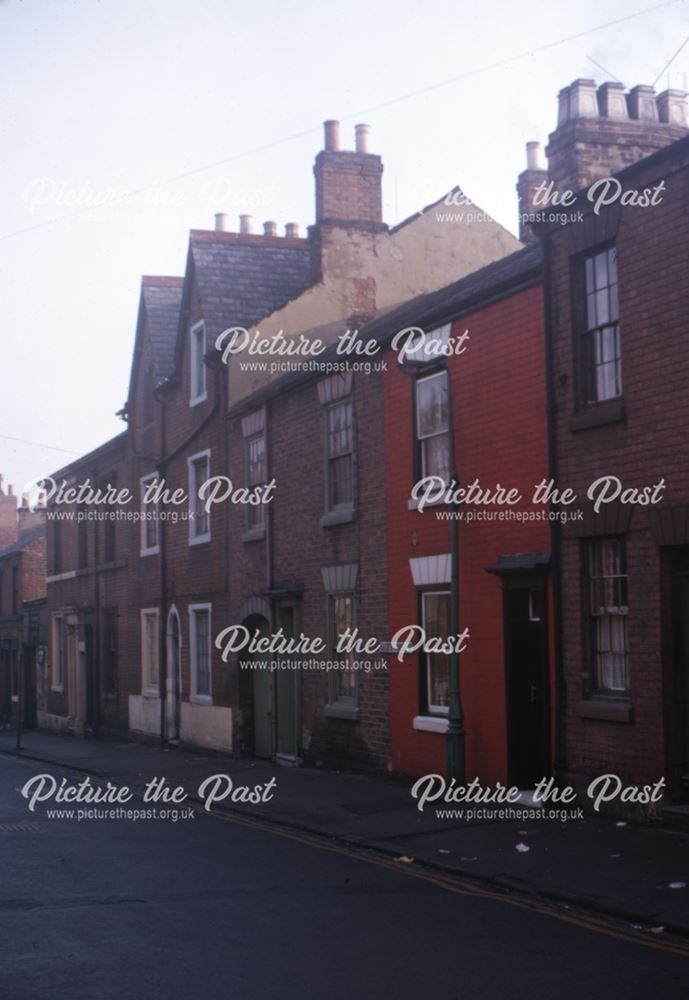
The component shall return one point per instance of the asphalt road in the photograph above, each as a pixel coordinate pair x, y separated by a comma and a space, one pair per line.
215, 908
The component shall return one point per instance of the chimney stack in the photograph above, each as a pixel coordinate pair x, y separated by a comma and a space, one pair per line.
292, 229
222, 223
348, 182
246, 224
600, 131
270, 228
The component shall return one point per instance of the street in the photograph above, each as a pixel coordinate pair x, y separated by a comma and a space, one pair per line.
217, 907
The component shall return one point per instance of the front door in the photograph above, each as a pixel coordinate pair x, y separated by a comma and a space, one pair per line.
677, 665
262, 696
526, 682
173, 679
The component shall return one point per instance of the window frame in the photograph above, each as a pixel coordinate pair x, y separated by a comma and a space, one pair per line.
593, 688
197, 537
346, 505
144, 548
150, 688
197, 365
586, 372
427, 707
255, 515
199, 698
433, 372
110, 618
336, 700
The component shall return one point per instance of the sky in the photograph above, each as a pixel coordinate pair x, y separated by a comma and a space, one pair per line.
126, 123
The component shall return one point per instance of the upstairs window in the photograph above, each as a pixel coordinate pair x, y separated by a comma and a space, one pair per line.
340, 454
149, 518
432, 426
198, 367
255, 474
199, 518
601, 357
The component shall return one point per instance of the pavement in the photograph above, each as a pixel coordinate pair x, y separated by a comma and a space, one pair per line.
637, 873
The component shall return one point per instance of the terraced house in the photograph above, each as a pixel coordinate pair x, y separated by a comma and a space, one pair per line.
311, 560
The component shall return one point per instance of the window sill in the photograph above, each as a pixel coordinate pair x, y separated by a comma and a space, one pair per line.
336, 711
57, 689
198, 399
255, 534
150, 693
201, 699
200, 539
607, 710
413, 503
599, 414
149, 552
343, 515
431, 723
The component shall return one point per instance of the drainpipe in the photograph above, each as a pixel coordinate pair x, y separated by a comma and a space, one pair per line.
268, 520
555, 526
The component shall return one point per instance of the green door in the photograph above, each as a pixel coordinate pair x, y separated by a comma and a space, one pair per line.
287, 690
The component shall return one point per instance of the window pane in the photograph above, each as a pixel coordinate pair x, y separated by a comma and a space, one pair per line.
436, 623
608, 611
199, 476
435, 456
431, 401
341, 609
202, 653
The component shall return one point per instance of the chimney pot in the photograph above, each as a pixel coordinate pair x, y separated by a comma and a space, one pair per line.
583, 100
222, 222
291, 229
672, 107
246, 224
362, 138
270, 228
534, 156
332, 135
10, 490
642, 103
612, 100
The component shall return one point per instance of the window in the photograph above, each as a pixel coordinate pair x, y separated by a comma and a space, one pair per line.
149, 517
57, 547
200, 645
342, 683
58, 671
82, 537
109, 524
600, 348
199, 517
255, 473
339, 450
432, 426
435, 619
198, 366
607, 612
110, 650
149, 651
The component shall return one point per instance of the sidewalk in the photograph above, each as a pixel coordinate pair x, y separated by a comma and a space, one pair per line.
624, 871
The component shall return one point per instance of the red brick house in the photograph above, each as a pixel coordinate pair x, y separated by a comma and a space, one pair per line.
497, 384
617, 339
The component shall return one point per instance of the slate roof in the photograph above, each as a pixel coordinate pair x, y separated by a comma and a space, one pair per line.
162, 300
25, 540
240, 282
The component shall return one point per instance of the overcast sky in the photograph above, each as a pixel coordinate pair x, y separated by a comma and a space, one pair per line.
105, 98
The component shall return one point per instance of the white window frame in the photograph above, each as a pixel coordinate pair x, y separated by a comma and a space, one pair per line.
447, 433
148, 550
197, 341
202, 699
147, 688
197, 538
57, 678
432, 709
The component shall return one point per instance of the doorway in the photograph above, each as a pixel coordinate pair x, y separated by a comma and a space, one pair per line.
287, 686
526, 681
261, 692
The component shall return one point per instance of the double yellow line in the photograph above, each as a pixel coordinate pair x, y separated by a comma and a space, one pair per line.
598, 925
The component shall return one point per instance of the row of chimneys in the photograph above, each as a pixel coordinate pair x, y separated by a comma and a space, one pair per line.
246, 226
582, 99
